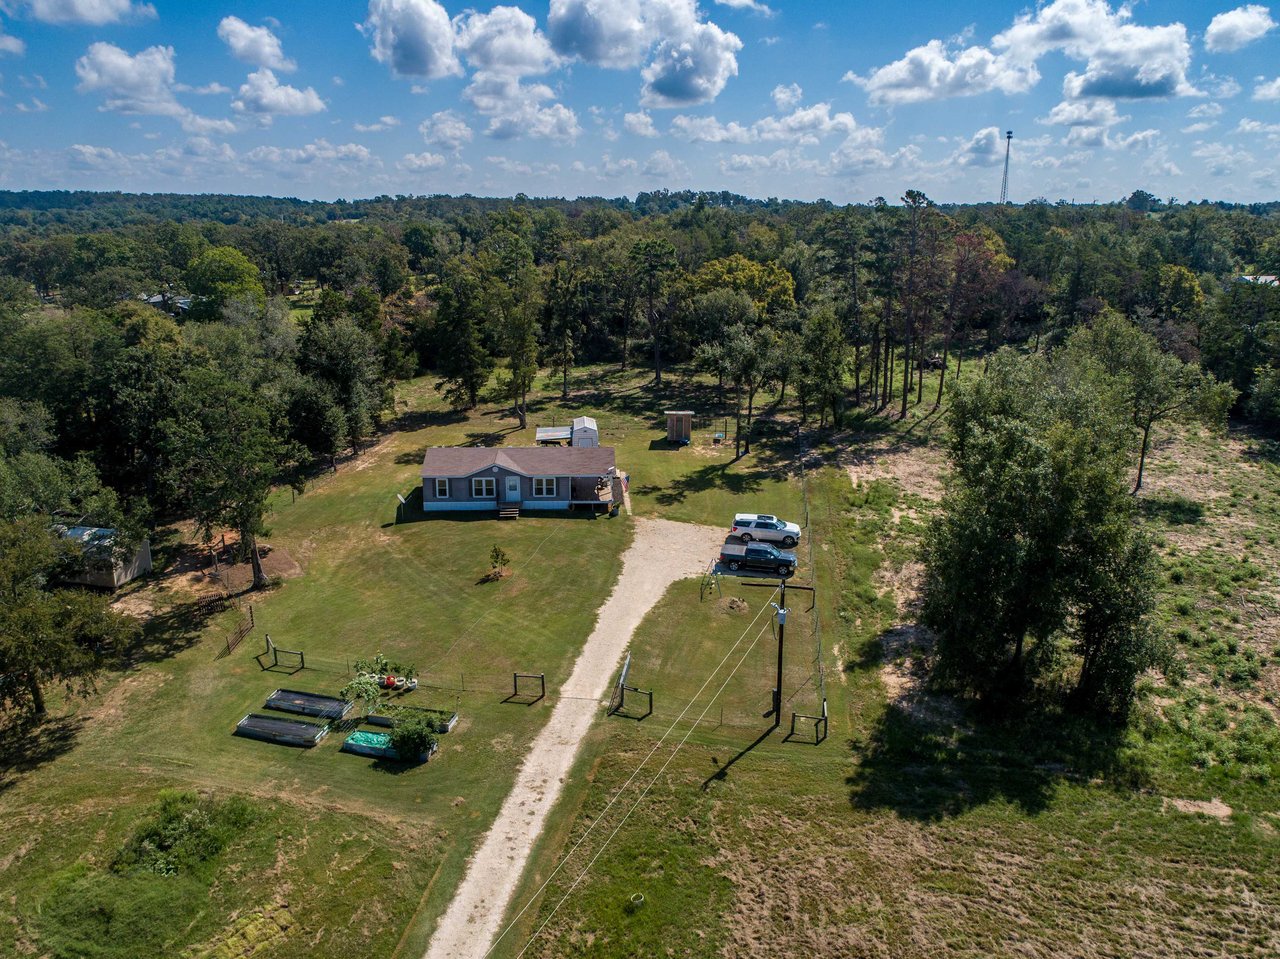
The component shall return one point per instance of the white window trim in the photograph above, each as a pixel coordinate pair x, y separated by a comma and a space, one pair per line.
484, 492
543, 480
439, 481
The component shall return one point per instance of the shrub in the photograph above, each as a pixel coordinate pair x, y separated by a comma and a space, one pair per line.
412, 736
185, 833
381, 666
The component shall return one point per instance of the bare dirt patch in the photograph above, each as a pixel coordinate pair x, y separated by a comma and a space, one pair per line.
903, 583
906, 649
916, 468
277, 563
1214, 808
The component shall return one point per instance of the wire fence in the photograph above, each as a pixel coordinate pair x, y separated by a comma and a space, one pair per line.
818, 665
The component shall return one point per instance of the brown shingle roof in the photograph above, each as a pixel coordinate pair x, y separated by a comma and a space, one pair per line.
459, 461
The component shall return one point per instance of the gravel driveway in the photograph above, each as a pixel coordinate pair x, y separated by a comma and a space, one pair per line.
661, 553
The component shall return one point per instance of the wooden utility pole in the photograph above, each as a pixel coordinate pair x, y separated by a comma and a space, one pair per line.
781, 607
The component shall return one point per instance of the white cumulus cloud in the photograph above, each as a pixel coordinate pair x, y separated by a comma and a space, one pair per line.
806, 125
413, 37
689, 60
421, 162
1084, 113
318, 151
504, 41
446, 129
382, 123
256, 45
661, 165
1121, 59
1267, 90
936, 71
518, 109
1238, 28
755, 6
984, 148
142, 83
1221, 159
11, 45
709, 130
606, 33
691, 69
92, 12
786, 97
1256, 126
640, 124
263, 94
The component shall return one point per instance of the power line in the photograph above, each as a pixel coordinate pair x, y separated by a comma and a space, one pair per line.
643, 794
621, 789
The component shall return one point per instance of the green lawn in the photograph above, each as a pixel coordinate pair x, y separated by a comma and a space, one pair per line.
334, 835
921, 831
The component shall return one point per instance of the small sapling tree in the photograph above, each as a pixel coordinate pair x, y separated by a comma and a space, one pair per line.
364, 691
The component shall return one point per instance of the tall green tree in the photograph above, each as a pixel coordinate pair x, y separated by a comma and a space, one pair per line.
341, 354
564, 305
654, 262
218, 276
1154, 386
465, 363
224, 458
48, 635
509, 282
1036, 543
822, 368
746, 357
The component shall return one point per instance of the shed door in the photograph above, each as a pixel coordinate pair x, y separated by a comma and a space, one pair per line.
513, 489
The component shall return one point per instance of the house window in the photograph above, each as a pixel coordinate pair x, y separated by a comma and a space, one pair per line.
484, 487
442, 489
544, 486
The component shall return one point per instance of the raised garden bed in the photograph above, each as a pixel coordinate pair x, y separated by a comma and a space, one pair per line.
378, 745
286, 732
308, 704
442, 721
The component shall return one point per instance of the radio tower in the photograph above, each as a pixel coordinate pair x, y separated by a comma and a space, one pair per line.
1004, 184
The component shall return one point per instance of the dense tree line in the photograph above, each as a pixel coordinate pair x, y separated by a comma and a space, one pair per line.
152, 364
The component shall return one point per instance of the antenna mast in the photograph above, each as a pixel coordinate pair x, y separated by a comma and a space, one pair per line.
1004, 184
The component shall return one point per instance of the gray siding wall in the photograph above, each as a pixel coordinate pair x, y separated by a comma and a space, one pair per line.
460, 490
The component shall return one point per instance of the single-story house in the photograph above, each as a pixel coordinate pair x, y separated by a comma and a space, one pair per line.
173, 305
512, 477
583, 432
1260, 279
102, 568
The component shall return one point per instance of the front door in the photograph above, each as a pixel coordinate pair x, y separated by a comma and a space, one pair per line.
513, 489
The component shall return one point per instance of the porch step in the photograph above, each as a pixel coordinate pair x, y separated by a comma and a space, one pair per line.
508, 512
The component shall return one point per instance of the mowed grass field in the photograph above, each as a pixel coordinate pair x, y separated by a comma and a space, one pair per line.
342, 855
915, 830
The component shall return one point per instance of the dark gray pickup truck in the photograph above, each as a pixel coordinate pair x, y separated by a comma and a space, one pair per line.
758, 558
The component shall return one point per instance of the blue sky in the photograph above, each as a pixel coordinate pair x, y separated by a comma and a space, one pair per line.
788, 98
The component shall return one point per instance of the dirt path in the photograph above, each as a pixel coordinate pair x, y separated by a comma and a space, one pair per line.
662, 553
